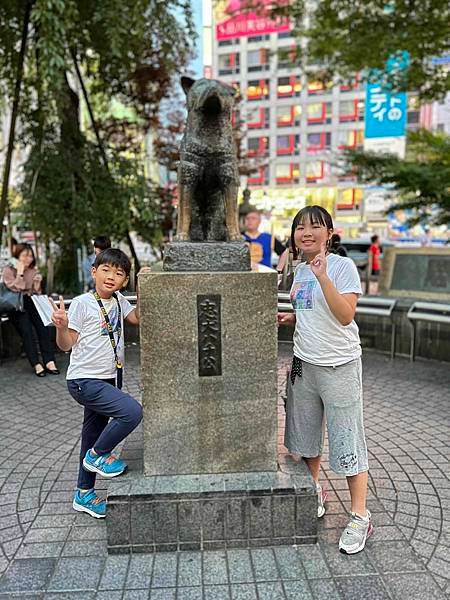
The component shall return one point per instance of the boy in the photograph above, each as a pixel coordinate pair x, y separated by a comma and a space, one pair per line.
92, 329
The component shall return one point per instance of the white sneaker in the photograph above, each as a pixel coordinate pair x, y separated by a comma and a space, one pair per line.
354, 536
321, 499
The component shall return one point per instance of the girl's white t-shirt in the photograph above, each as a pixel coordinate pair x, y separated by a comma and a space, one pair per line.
92, 357
319, 338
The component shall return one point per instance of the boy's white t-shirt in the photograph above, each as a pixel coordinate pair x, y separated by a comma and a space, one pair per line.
92, 356
319, 338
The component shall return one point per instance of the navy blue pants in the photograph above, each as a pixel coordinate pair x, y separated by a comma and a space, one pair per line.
102, 401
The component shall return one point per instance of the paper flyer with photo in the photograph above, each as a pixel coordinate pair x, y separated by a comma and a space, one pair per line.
44, 308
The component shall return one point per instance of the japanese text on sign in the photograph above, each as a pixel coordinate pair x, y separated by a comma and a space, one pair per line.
209, 336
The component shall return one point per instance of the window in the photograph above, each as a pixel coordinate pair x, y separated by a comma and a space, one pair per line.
315, 170
288, 87
258, 38
230, 42
319, 112
258, 146
282, 35
287, 57
351, 110
318, 141
350, 138
257, 60
229, 64
350, 86
349, 199
287, 173
258, 89
287, 116
288, 145
317, 87
413, 116
258, 118
261, 177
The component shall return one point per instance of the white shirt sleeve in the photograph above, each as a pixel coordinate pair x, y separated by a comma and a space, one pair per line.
76, 315
347, 278
125, 306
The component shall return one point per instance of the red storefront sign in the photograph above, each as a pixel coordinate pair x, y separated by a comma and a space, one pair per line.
235, 21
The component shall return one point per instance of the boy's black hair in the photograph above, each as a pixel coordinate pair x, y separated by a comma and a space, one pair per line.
115, 258
374, 238
102, 242
312, 214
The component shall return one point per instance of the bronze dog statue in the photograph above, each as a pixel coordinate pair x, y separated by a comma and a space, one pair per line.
208, 178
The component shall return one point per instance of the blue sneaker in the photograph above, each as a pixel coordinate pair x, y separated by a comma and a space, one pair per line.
106, 465
90, 503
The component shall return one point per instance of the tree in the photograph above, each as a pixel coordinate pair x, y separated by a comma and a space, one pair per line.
130, 51
421, 181
344, 37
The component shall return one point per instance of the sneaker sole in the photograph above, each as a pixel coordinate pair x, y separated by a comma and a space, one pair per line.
369, 533
80, 508
94, 469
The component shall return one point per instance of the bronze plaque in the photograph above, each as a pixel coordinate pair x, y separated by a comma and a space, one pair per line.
209, 335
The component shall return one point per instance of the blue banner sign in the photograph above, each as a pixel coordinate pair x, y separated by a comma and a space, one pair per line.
385, 113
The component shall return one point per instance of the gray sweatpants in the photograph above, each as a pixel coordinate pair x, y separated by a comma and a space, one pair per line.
335, 392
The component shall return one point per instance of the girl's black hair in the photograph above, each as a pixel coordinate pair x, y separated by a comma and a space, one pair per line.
312, 214
115, 258
29, 249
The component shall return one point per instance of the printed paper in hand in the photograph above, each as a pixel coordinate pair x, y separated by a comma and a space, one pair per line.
44, 308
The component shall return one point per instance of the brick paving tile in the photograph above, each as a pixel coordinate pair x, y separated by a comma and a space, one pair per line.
47, 551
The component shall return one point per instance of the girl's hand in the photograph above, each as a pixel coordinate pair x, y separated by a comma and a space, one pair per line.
59, 316
37, 278
20, 267
319, 263
285, 318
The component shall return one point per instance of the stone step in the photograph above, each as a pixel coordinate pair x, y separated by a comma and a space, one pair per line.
209, 512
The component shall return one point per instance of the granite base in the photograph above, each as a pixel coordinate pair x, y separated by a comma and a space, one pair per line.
206, 256
210, 512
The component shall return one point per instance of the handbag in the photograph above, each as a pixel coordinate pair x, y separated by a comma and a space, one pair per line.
10, 301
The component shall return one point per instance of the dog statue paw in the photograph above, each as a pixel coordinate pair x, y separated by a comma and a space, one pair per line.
181, 237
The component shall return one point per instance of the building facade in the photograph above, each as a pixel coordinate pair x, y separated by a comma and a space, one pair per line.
295, 128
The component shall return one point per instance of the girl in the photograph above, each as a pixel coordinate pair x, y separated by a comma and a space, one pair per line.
22, 276
326, 370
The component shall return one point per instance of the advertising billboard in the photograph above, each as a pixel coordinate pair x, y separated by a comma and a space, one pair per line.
233, 19
385, 121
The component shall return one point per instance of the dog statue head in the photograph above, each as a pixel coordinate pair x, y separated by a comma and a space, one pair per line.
209, 97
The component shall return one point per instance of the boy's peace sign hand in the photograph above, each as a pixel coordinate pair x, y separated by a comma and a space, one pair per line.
319, 263
59, 316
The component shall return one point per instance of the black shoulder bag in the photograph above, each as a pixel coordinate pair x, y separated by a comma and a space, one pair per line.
119, 365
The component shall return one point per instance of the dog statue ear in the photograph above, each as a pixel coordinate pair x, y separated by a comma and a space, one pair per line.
187, 83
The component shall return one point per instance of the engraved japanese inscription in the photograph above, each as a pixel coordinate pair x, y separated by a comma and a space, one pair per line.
209, 335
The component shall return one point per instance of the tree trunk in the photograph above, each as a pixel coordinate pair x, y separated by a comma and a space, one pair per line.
15, 110
66, 268
101, 148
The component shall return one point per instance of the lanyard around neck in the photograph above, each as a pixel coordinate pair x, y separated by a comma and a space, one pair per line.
109, 328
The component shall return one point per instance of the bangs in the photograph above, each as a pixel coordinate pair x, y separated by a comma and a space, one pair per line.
314, 215
113, 257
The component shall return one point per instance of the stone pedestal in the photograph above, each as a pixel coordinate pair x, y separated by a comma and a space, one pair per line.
208, 512
206, 256
209, 356
203, 468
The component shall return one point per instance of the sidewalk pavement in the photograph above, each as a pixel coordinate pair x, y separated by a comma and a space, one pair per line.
49, 551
